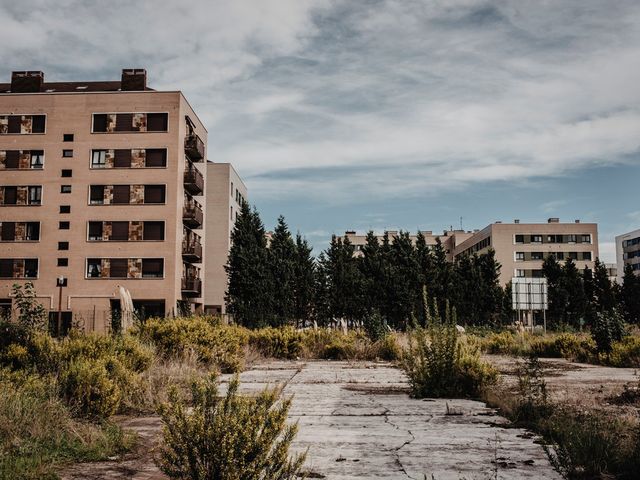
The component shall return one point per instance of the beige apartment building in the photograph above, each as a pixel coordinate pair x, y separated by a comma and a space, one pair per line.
522, 247
449, 239
225, 193
628, 253
101, 183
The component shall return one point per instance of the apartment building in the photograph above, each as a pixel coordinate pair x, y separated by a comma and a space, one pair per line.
522, 247
628, 252
101, 183
225, 193
449, 239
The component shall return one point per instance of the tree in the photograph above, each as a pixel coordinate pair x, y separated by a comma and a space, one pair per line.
249, 292
439, 278
405, 281
630, 295
576, 304
603, 294
490, 292
556, 293
282, 263
33, 315
304, 286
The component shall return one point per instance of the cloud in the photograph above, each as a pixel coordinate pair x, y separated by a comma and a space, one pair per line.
339, 101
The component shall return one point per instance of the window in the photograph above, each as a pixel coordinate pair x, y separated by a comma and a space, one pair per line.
22, 124
573, 255
67, 153
8, 232
96, 194
537, 256
64, 225
32, 231
63, 262
156, 157
586, 255
35, 195
94, 268
12, 159
65, 188
231, 189
119, 268
536, 238
121, 194
554, 238
99, 122
98, 158
560, 255
571, 238
153, 231
537, 274
37, 159
10, 195
152, 267
519, 239
67, 137
520, 273
6, 268
66, 173
519, 256
157, 122
154, 194
230, 213
119, 231
585, 238
63, 245
95, 231
38, 123
122, 158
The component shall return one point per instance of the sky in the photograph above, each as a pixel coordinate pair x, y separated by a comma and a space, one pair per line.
381, 114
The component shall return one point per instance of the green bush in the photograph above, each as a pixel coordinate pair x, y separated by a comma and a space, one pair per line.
284, 342
625, 353
228, 438
37, 430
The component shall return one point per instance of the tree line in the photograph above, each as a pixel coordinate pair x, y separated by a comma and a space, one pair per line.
279, 282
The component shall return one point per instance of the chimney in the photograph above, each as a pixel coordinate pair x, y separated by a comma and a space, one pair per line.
517, 220
553, 220
26, 82
578, 220
133, 79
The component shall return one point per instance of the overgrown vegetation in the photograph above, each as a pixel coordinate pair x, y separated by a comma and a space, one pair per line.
228, 438
581, 443
438, 363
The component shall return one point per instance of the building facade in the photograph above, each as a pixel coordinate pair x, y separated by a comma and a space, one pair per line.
101, 183
628, 252
224, 196
522, 247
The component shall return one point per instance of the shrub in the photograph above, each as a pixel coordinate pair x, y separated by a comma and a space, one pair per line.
228, 438
607, 328
284, 342
625, 353
438, 365
33, 315
37, 430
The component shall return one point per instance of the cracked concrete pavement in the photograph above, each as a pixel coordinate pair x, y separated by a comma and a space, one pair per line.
357, 421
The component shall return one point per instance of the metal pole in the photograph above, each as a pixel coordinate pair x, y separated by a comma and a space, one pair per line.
60, 311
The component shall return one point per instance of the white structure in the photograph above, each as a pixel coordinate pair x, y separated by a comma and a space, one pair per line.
529, 295
628, 252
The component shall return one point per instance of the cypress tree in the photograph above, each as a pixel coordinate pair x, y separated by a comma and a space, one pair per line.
304, 281
556, 293
630, 295
371, 266
576, 299
603, 296
405, 286
249, 288
440, 276
282, 262
489, 290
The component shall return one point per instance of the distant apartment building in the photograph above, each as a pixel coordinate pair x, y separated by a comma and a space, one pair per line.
101, 183
449, 239
519, 247
522, 247
224, 196
628, 252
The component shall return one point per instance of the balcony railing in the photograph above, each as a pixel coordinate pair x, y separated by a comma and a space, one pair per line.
191, 247
194, 147
192, 214
193, 180
191, 287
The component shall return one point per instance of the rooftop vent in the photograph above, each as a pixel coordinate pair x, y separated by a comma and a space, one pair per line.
133, 79
26, 82
577, 220
517, 220
553, 220
350, 232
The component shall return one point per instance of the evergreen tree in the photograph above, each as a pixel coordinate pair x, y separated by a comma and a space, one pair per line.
405, 285
304, 281
630, 296
556, 294
576, 300
603, 296
489, 290
282, 262
321, 297
249, 290
465, 289
372, 268
440, 276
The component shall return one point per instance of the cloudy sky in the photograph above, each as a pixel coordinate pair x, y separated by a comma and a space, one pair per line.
374, 114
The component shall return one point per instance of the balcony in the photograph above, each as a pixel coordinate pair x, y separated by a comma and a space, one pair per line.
193, 180
194, 147
191, 247
192, 215
191, 287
